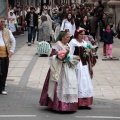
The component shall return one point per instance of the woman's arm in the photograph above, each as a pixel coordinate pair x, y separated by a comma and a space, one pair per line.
63, 25
74, 28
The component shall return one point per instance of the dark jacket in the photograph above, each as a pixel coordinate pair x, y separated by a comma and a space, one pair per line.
103, 24
118, 30
93, 24
108, 37
86, 27
35, 19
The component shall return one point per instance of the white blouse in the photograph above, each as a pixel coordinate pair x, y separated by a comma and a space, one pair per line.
67, 25
12, 40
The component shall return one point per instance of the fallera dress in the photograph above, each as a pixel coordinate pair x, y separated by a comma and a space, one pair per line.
60, 90
84, 73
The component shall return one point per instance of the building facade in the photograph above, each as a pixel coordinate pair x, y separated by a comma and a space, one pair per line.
24, 2
36, 2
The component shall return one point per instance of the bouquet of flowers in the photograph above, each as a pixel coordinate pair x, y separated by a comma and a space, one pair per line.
63, 55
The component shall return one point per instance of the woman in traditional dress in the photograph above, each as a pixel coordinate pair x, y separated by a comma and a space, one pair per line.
12, 22
83, 70
60, 90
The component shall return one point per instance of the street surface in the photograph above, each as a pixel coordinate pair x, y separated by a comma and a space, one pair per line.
26, 77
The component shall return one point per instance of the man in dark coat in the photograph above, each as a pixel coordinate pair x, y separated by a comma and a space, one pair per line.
93, 20
32, 23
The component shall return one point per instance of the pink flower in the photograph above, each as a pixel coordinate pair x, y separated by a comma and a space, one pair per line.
62, 54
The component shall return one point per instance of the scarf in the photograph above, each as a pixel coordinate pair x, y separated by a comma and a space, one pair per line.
108, 30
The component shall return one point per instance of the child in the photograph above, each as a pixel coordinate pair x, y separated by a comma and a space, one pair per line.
108, 35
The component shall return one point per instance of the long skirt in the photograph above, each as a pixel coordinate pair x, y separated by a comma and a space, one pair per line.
85, 101
56, 104
85, 87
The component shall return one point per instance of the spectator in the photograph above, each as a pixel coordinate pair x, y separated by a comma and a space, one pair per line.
118, 29
69, 24
7, 47
108, 35
32, 23
93, 24
85, 24
12, 22
44, 30
102, 25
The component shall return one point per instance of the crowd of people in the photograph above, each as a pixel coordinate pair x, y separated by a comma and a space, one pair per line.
93, 20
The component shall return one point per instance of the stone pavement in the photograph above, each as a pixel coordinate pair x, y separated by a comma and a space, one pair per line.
28, 70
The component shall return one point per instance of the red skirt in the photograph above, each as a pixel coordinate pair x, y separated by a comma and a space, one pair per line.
55, 104
85, 101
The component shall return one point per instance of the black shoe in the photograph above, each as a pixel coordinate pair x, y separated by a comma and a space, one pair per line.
85, 108
43, 55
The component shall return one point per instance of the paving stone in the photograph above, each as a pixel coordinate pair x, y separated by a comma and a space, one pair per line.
27, 57
16, 57
22, 64
21, 52
13, 63
17, 72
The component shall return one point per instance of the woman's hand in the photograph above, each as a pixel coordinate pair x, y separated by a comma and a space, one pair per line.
77, 57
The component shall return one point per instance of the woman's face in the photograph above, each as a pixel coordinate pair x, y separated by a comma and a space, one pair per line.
66, 38
67, 10
85, 18
69, 16
108, 27
104, 16
11, 14
81, 36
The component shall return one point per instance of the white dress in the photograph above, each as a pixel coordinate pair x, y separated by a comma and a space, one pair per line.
12, 22
85, 87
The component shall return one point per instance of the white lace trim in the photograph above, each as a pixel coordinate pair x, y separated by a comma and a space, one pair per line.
85, 87
68, 98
